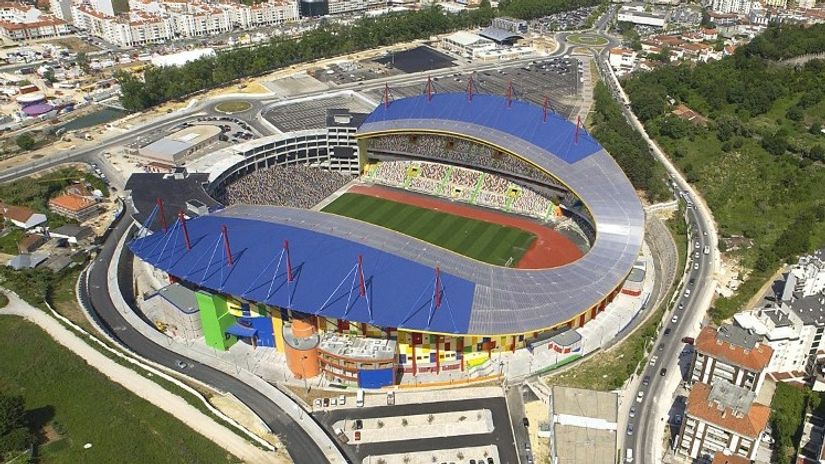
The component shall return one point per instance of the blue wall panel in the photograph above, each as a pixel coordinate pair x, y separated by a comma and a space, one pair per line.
375, 378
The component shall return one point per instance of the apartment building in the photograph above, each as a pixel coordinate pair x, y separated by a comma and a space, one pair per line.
793, 326
19, 21
730, 354
722, 418
742, 7
262, 14
347, 6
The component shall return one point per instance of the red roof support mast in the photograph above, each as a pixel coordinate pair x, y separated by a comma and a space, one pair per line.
182, 220
546, 104
437, 287
429, 88
225, 233
510, 94
288, 261
578, 124
386, 96
362, 284
162, 213
470, 89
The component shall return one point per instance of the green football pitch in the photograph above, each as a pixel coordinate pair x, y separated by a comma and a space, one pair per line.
484, 241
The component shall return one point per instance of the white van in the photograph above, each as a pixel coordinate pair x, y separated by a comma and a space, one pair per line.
359, 398
707, 250
628, 456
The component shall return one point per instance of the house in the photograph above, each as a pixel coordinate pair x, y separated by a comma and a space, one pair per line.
27, 261
74, 207
683, 112
21, 216
30, 243
71, 232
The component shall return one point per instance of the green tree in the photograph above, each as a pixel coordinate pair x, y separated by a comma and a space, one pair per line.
816, 128
25, 141
14, 433
82, 61
49, 75
795, 113
775, 144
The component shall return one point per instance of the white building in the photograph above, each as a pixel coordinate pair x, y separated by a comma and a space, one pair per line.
19, 21
794, 326
467, 44
62, 9
346, 6
732, 6
730, 354
622, 60
722, 417
262, 14
636, 14
806, 278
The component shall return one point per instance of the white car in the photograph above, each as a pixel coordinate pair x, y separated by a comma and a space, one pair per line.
687, 292
675, 318
640, 396
653, 360
695, 266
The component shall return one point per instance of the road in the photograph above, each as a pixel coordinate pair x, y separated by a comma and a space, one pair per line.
300, 446
658, 395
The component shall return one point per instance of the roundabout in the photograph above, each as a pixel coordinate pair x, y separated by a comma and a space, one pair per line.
587, 40
233, 106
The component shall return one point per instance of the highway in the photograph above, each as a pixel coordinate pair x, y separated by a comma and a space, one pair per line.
299, 444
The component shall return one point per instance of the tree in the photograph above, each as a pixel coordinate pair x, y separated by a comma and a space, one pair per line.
14, 432
82, 61
816, 128
25, 141
775, 144
795, 113
49, 75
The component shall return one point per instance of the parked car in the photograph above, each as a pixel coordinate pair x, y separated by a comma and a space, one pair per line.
646, 380
525, 422
632, 411
667, 331
663, 372
688, 340
640, 397
674, 319
630, 429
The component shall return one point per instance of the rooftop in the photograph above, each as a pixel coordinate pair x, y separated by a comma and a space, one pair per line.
585, 403
180, 297
722, 458
357, 347
72, 203
480, 298
811, 309
584, 426
729, 407
735, 346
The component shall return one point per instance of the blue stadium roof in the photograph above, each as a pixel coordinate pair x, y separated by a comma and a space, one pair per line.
479, 298
399, 291
521, 120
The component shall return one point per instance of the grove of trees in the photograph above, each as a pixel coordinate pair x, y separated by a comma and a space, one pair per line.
162, 84
758, 162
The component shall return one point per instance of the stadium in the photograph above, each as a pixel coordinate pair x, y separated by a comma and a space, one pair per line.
443, 228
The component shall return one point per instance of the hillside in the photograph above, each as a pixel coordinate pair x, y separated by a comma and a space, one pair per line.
759, 160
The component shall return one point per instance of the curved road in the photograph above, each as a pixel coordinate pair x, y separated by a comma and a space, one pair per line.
300, 446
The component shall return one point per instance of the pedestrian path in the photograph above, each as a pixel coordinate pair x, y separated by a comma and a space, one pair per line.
141, 386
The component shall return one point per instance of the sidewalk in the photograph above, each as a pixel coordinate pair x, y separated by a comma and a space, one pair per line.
143, 387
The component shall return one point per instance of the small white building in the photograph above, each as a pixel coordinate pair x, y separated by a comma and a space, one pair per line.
174, 310
637, 14
467, 44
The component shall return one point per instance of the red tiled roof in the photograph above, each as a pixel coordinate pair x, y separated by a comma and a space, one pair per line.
16, 213
750, 425
754, 360
722, 458
71, 202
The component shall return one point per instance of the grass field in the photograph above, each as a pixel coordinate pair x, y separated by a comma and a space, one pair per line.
484, 241
73, 404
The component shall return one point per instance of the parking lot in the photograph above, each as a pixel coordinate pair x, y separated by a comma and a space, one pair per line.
566, 21
501, 435
556, 78
311, 114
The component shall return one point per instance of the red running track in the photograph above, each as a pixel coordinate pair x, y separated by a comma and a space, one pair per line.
549, 249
